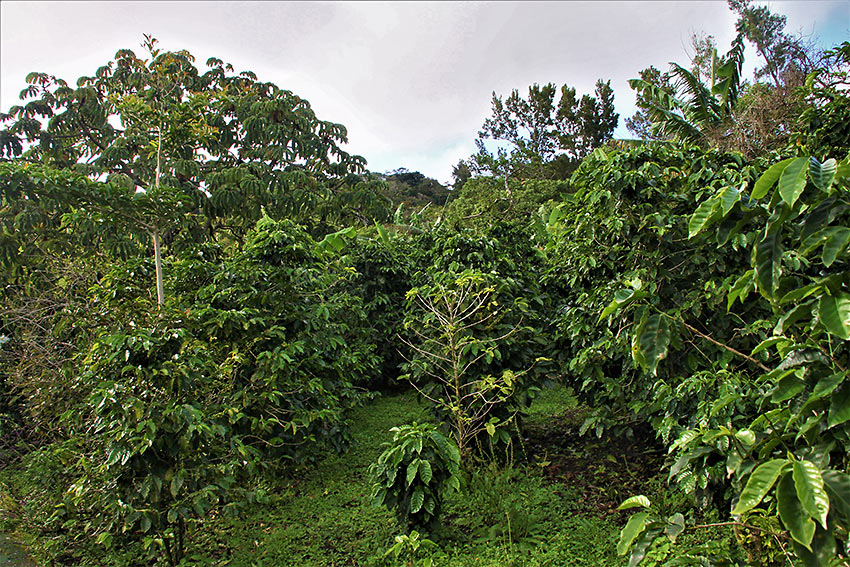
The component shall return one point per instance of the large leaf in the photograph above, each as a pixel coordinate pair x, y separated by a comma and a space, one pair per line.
417, 499
759, 484
768, 178
823, 173
823, 550
654, 340
834, 314
425, 472
835, 244
809, 484
740, 289
639, 501
837, 486
799, 524
793, 180
769, 264
412, 469
701, 216
730, 195
633, 528
839, 407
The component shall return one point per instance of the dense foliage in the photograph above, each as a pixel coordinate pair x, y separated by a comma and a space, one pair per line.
200, 287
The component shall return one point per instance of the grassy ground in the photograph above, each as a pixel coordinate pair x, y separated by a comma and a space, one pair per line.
556, 504
504, 516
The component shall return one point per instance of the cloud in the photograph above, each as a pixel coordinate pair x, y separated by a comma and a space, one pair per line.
411, 81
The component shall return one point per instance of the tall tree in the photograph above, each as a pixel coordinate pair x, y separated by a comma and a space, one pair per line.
537, 130
229, 143
780, 51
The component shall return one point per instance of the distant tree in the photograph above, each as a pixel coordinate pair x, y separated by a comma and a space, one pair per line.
460, 174
779, 50
413, 189
640, 123
537, 130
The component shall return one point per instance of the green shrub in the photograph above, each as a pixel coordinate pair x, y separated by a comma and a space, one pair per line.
417, 469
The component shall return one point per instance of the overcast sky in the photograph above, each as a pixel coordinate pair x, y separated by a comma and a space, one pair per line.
412, 82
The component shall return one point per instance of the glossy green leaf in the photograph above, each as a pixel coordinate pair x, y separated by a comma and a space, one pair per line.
728, 196
837, 486
767, 343
825, 386
835, 245
768, 178
635, 502
796, 521
740, 289
701, 216
822, 552
759, 484
809, 485
769, 264
793, 180
839, 407
417, 499
425, 472
788, 319
412, 469
834, 314
633, 528
822, 174
654, 340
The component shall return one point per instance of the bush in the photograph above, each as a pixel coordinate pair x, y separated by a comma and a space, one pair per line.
417, 469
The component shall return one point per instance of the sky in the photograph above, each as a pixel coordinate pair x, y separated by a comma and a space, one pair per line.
411, 81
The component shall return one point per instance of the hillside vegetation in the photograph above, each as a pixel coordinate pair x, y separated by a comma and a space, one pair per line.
224, 341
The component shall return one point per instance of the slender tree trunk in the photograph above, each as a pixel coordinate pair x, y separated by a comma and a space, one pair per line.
160, 292
157, 255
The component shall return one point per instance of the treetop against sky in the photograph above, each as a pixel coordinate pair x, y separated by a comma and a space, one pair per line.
412, 82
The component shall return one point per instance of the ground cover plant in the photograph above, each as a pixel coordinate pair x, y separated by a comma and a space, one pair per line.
218, 346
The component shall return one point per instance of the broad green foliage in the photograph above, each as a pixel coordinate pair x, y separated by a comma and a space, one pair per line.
230, 146
792, 442
616, 247
485, 201
414, 473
